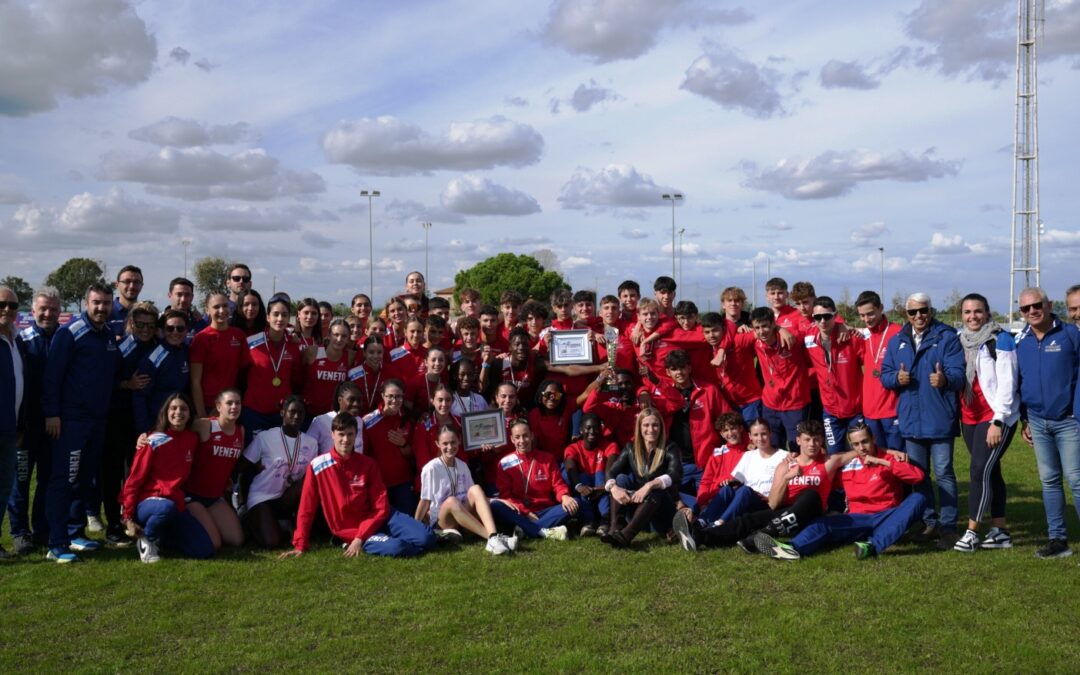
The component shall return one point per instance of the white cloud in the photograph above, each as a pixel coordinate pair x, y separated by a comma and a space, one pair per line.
609, 30
833, 174
523, 241
245, 218
473, 195
575, 261
613, 187
977, 38
69, 48
11, 190
588, 95
871, 233
724, 77
386, 146
93, 218
403, 211
405, 246
1060, 238
634, 233
846, 75
690, 250
871, 262
189, 133
199, 174
779, 226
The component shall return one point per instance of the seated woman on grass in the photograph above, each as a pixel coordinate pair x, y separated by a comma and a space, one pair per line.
644, 482
755, 472
348, 489
585, 463
532, 494
449, 499
152, 500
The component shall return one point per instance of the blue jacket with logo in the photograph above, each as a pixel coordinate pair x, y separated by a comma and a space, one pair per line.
10, 418
79, 374
35, 350
925, 411
1048, 369
168, 370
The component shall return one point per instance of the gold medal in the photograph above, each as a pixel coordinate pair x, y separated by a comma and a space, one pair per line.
876, 373
276, 381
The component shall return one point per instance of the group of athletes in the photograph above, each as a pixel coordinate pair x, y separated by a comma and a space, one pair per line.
781, 430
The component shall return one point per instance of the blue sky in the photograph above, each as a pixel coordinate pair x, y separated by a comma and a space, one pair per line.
804, 135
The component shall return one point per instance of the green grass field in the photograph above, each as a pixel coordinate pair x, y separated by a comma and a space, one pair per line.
576, 606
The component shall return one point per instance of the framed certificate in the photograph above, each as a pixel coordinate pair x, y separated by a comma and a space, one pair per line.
570, 348
482, 428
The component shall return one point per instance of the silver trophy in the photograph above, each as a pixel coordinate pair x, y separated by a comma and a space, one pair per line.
611, 337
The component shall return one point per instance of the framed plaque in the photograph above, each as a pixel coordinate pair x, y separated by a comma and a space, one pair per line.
482, 428
570, 348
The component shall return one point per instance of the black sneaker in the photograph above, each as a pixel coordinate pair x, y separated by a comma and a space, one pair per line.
680, 524
1055, 548
116, 538
24, 545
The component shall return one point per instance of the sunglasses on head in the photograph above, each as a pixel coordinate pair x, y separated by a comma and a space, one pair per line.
823, 317
918, 310
1027, 309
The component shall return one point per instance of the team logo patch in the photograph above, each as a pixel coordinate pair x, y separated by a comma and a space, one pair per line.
128, 345
1053, 347
397, 352
256, 340
372, 418
457, 357
722, 450
78, 328
509, 462
356, 373
27, 333
902, 345
853, 465
158, 355
809, 341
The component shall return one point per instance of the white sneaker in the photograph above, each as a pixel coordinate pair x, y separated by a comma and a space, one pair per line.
449, 536
554, 533
510, 542
94, 525
969, 543
148, 550
588, 530
496, 546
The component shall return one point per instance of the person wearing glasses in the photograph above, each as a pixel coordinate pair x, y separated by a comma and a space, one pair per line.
839, 374
77, 388
166, 367
550, 420
239, 283
388, 436
1048, 353
182, 297
924, 364
129, 284
13, 387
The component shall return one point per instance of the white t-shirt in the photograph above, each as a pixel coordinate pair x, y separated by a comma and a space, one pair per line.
323, 436
756, 472
472, 403
438, 481
268, 448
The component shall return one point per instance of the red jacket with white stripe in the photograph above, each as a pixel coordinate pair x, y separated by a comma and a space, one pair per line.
351, 494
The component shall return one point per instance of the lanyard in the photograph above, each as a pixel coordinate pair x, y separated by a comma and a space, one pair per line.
276, 365
294, 456
526, 477
881, 345
452, 475
370, 393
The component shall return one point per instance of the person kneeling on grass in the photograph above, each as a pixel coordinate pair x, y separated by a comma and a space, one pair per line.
348, 488
878, 512
449, 499
152, 500
532, 494
644, 482
798, 494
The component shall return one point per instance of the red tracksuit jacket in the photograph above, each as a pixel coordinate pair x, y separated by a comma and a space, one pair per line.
877, 401
530, 481
840, 376
718, 470
787, 383
350, 493
706, 405
396, 468
875, 488
618, 419
160, 468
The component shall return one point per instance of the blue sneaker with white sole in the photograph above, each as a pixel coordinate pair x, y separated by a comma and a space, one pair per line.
82, 544
61, 555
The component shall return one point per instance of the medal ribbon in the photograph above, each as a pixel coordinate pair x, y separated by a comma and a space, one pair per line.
276, 365
294, 456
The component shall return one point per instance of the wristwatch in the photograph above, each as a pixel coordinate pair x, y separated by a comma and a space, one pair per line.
998, 423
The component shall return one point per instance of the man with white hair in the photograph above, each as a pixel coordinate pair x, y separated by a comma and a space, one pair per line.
924, 364
29, 527
1048, 352
12, 383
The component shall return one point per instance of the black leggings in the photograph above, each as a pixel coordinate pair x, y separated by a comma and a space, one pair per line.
262, 519
987, 486
779, 523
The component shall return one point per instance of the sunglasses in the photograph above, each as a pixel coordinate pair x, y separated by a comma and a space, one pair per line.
918, 310
9, 305
1027, 309
823, 317
145, 325
174, 329
238, 278
552, 395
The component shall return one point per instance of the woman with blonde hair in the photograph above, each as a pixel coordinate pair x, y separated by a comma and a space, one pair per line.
643, 482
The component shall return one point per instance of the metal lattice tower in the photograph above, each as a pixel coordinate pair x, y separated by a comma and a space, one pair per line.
1026, 225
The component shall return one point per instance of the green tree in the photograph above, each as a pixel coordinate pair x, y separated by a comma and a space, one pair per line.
21, 288
73, 278
508, 272
210, 275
